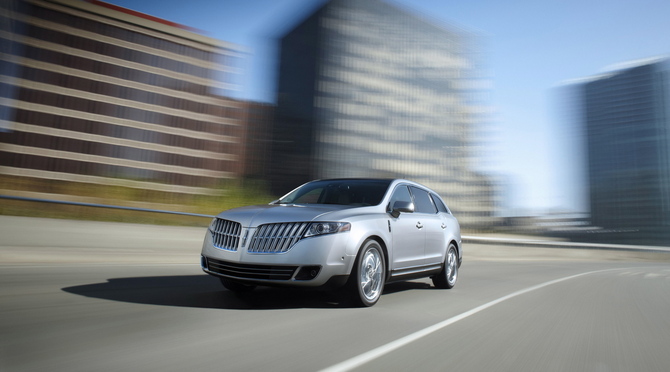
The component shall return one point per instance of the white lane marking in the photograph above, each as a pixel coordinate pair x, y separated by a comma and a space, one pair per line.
373, 354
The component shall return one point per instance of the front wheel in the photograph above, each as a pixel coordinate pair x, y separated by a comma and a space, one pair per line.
366, 282
446, 279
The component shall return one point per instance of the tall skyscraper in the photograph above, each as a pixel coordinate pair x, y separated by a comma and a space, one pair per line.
627, 120
369, 90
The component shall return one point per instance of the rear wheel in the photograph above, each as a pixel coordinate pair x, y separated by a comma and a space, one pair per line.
236, 287
366, 282
446, 279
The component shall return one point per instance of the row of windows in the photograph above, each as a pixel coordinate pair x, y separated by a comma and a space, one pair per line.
610, 116
619, 155
109, 69
423, 201
113, 90
623, 79
622, 100
115, 151
117, 111
101, 170
626, 83
116, 51
117, 131
120, 33
628, 90
604, 131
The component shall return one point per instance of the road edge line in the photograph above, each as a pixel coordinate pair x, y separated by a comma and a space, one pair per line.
375, 353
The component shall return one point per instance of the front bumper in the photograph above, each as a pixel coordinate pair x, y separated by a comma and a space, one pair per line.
312, 262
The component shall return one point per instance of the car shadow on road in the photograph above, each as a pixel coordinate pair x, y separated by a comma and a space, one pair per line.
396, 287
203, 291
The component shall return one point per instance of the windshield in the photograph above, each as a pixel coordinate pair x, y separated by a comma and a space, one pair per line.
342, 192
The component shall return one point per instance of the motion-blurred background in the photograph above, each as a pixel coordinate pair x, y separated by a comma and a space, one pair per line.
548, 119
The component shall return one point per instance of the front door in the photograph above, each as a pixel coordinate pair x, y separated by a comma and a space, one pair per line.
407, 234
433, 225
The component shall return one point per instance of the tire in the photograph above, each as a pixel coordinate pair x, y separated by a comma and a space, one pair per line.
446, 279
236, 287
366, 282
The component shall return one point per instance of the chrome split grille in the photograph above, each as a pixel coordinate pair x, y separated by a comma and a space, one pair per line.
225, 234
245, 271
277, 237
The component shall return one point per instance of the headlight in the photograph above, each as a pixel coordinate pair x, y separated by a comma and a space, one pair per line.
320, 228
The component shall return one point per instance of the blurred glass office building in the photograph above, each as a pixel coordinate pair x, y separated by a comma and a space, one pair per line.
626, 114
93, 93
367, 89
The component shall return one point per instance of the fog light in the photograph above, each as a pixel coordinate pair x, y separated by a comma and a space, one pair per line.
203, 262
308, 272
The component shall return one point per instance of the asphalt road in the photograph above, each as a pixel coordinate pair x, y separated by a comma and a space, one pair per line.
88, 296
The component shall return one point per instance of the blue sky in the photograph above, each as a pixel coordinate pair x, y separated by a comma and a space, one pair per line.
529, 48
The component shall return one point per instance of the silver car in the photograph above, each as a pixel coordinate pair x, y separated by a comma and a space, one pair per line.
356, 234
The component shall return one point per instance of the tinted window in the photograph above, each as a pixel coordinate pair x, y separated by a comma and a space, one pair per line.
439, 204
422, 201
401, 193
343, 192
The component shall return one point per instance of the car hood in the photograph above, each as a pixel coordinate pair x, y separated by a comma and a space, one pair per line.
276, 213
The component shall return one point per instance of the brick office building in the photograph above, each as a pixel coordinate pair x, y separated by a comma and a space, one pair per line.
97, 94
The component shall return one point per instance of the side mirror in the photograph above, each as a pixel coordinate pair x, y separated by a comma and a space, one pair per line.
402, 206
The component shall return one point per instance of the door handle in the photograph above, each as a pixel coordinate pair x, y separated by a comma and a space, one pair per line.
419, 225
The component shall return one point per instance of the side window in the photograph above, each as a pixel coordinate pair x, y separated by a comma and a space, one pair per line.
401, 193
439, 204
422, 201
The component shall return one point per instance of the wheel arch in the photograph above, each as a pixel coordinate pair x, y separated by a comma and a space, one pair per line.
382, 244
459, 251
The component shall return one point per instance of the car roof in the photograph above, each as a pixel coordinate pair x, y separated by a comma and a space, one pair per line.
392, 181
